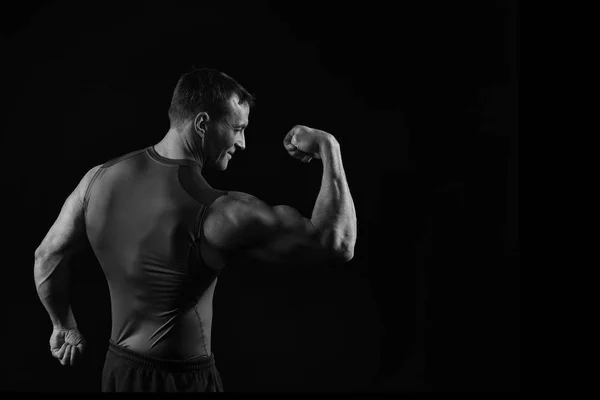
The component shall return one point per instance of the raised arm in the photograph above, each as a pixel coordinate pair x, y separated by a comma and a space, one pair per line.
241, 223
333, 215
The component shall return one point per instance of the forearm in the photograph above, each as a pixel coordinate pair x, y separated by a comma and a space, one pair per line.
334, 214
52, 284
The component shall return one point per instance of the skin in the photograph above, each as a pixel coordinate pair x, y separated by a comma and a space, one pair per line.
209, 141
65, 237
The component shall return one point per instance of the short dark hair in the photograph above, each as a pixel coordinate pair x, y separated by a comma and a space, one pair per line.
204, 89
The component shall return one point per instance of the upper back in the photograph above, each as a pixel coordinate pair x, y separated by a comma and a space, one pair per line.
143, 214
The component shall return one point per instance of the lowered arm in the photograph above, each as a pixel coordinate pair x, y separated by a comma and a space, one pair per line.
50, 271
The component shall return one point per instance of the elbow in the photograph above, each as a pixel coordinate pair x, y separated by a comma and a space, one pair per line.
341, 258
340, 248
38, 255
346, 256
39, 272
344, 253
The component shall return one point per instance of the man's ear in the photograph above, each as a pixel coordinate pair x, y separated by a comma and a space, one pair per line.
200, 123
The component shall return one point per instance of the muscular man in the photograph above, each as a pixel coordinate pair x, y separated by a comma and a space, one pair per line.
162, 235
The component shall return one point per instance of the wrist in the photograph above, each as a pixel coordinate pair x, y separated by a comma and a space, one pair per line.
328, 144
64, 322
64, 327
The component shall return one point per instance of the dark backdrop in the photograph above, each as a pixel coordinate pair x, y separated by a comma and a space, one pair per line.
423, 100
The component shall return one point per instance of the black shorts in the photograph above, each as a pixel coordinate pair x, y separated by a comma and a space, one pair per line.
128, 371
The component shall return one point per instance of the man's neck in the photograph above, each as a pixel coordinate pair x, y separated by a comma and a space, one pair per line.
179, 145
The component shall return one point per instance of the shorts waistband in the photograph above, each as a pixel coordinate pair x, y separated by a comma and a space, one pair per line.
193, 364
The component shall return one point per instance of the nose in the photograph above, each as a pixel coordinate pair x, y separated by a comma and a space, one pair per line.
241, 143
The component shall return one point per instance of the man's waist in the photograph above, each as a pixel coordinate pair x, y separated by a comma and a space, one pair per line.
179, 337
160, 361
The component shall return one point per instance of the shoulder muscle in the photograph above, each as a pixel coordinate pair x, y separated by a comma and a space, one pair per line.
233, 220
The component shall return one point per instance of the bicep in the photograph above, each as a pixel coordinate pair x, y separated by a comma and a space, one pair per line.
254, 229
290, 219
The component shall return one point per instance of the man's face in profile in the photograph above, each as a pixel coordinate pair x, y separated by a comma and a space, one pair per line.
226, 135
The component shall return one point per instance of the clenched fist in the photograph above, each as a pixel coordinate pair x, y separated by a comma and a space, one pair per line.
305, 143
67, 345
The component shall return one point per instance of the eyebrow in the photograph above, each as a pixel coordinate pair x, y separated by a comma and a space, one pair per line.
240, 125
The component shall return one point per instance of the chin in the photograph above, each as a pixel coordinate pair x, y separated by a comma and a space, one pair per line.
221, 166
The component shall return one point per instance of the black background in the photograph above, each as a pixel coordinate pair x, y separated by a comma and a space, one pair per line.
422, 98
